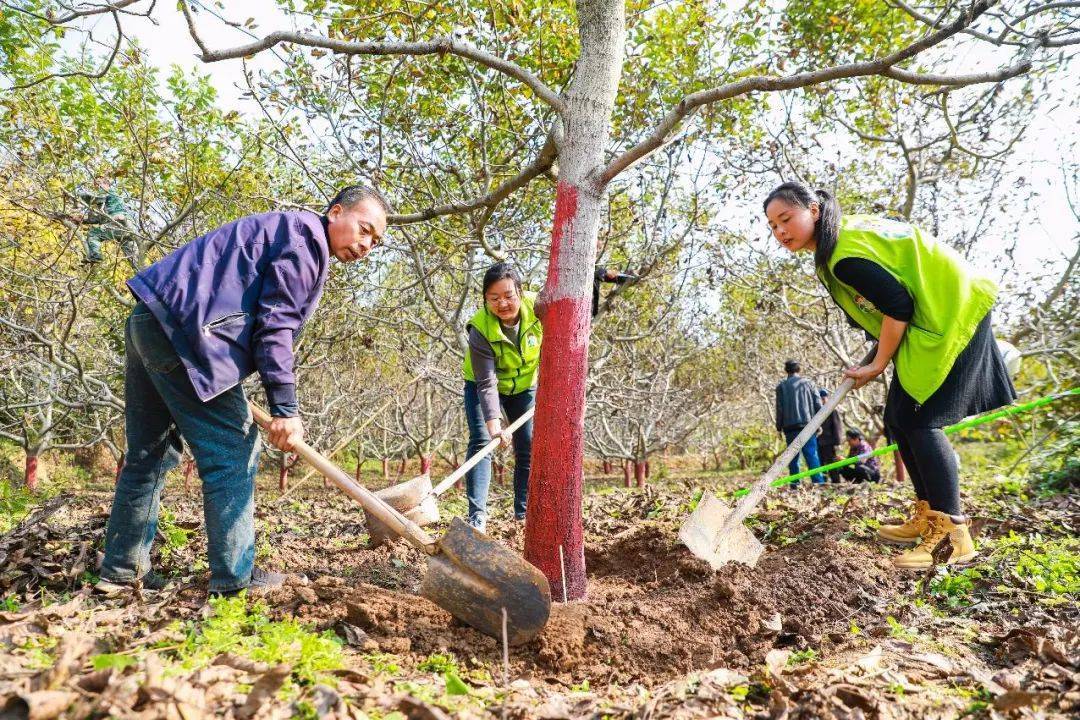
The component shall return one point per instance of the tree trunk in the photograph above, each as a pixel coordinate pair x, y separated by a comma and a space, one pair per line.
189, 470
425, 464
704, 463
607, 466
627, 476
386, 469
500, 471
404, 464
648, 470
120, 466
283, 472
555, 483
640, 472
359, 461
30, 476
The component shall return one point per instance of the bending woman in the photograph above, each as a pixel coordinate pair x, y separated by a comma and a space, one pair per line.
501, 369
930, 312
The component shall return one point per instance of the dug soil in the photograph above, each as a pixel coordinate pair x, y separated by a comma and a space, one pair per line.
653, 611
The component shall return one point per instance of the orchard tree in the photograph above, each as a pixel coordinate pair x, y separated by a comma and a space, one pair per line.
607, 83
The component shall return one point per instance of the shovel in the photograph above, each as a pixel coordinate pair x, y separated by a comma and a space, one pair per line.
416, 499
715, 533
469, 575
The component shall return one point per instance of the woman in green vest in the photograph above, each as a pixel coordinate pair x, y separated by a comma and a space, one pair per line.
501, 368
930, 312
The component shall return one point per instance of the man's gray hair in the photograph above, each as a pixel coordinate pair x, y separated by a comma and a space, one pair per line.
350, 195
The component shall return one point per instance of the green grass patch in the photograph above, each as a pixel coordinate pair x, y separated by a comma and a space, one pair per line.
1049, 566
175, 538
16, 502
802, 656
234, 627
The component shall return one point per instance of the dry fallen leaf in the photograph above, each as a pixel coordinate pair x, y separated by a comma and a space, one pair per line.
1016, 699
264, 689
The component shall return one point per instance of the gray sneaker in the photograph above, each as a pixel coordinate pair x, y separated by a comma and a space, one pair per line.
477, 522
151, 581
263, 580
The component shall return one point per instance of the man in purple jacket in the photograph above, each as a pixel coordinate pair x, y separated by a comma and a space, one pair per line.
219, 308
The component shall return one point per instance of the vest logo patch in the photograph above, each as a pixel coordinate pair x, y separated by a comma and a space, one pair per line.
531, 341
866, 306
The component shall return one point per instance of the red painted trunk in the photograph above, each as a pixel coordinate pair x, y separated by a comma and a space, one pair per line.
899, 463
386, 469
639, 473
425, 464
120, 466
30, 475
557, 475
500, 472
607, 466
627, 475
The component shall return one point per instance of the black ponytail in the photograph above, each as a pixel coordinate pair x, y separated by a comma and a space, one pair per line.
827, 227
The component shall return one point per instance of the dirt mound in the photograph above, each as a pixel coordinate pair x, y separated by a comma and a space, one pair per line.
653, 612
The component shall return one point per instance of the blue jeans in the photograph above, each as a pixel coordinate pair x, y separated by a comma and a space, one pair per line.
478, 479
161, 407
809, 451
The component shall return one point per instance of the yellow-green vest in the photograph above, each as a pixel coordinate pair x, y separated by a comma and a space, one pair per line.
950, 298
516, 369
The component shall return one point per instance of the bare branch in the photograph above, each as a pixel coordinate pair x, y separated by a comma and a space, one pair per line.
543, 161
438, 46
81, 73
766, 83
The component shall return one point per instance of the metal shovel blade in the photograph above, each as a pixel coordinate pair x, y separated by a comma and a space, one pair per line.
703, 533
473, 578
412, 498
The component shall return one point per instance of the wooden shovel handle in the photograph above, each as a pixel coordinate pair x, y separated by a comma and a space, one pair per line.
480, 455
757, 491
370, 501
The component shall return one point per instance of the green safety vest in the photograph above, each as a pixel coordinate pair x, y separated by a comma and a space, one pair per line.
950, 297
515, 368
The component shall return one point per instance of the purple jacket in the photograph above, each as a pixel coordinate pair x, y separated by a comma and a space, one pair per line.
232, 301
864, 448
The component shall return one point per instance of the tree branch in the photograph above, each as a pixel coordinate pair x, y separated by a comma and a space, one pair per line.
538, 167
82, 73
767, 83
439, 46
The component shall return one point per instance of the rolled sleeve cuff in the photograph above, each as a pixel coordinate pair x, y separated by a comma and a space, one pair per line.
281, 397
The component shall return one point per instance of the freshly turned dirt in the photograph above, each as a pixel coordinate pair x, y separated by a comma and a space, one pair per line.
653, 612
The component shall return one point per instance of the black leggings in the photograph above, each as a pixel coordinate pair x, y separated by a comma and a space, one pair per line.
931, 464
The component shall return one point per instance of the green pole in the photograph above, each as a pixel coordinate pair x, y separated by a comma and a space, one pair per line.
962, 425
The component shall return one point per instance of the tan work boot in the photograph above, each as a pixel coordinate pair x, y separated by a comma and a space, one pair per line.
939, 526
910, 530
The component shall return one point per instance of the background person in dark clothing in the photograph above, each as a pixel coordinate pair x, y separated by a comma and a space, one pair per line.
796, 402
603, 274
868, 470
830, 435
